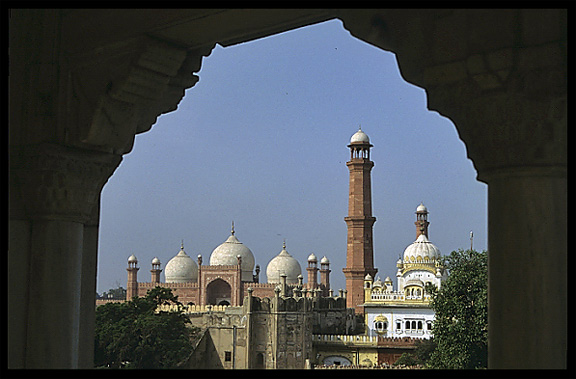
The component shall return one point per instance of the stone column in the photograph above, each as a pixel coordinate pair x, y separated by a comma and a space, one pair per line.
19, 231
527, 268
60, 190
88, 289
519, 147
75, 108
518, 144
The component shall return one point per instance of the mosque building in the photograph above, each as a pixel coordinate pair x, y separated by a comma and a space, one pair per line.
229, 274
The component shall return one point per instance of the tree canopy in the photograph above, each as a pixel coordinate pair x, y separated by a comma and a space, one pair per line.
133, 335
461, 313
113, 293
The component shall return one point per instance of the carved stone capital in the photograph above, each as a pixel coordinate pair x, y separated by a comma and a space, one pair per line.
504, 130
133, 95
61, 183
500, 75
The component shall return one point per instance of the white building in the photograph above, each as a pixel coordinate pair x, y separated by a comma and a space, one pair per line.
406, 311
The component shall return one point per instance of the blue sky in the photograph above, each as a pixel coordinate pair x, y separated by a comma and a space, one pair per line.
261, 140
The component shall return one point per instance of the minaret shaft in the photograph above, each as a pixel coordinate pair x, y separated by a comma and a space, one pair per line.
360, 252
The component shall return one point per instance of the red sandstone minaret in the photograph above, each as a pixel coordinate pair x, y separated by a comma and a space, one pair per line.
132, 284
421, 221
325, 276
156, 270
359, 255
312, 270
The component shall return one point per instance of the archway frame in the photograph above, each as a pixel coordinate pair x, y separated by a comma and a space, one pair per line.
84, 82
214, 296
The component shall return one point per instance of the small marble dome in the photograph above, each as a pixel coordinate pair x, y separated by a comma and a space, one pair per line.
155, 261
324, 261
285, 264
181, 268
312, 258
421, 251
359, 137
414, 282
421, 208
227, 254
132, 259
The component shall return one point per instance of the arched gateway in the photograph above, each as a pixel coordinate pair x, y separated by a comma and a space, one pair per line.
218, 292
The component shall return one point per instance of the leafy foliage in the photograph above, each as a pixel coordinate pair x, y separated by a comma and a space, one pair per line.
133, 335
461, 313
114, 294
420, 355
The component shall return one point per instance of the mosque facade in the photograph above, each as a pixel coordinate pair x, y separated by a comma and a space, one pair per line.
228, 276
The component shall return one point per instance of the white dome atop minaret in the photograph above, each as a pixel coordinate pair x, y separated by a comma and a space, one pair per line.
421, 208
359, 137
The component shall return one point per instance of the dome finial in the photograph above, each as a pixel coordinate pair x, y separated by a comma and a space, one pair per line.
182, 245
232, 231
284, 244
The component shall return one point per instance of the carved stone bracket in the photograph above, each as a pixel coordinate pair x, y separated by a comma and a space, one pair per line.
500, 76
61, 183
152, 85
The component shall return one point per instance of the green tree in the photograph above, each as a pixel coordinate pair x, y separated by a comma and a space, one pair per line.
114, 294
133, 335
461, 313
420, 355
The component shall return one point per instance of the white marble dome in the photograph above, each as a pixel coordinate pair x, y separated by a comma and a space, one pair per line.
421, 251
421, 208
132, 259
378, 283
359, 137
181, 269
286, 264
227, 253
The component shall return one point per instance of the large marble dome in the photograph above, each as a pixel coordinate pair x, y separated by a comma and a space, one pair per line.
421, 251
285, 264
227, 254
181, 268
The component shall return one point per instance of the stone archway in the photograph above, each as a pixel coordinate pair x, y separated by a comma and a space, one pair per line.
218, 292
259, 361
84, 82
